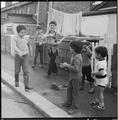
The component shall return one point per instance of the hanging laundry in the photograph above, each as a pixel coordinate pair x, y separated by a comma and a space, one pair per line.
57, 16
67, 24
78, 22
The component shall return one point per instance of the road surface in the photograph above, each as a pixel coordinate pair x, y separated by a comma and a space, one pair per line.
13, 106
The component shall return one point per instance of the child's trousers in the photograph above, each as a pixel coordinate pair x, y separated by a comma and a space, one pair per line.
72, 93
38, 49
22, 61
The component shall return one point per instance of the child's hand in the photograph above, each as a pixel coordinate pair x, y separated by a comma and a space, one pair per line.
61, 65
93, 74
20, 54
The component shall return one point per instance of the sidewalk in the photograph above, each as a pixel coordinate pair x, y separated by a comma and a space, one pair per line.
41, 86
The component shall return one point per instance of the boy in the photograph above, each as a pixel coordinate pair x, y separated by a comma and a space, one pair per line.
22, 47
52, 40
75, 69
39, 46
86, 68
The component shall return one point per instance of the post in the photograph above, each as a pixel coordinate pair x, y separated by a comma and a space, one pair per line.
38, 13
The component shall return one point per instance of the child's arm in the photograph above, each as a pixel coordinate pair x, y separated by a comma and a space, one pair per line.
100, 70
100, 73
30, 47
75, 67
88, 52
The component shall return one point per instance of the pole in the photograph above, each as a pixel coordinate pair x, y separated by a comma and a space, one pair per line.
38, 13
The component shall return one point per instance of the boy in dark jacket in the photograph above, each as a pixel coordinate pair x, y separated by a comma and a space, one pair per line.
75, 70
86, 67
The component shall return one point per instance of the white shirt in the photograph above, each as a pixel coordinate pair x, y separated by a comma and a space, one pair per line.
22, 44
102, 65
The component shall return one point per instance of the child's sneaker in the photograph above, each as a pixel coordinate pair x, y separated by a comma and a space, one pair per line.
33, 66
16, 84
66, 105
72, 111
91, 91
93, 103
100, 107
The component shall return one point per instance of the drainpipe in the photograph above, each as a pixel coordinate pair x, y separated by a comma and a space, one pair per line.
38, 13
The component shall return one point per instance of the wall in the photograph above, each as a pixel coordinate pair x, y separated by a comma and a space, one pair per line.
31, 28
104, 26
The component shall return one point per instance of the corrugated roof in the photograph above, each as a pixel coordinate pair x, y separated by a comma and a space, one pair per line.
104, 4
21, 18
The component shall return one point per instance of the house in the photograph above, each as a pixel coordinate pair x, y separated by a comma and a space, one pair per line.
14, 20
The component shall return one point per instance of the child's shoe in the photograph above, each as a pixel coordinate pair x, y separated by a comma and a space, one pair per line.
91, 91
72, 111
93, 103
100, 107
66, 105
33, 66
27, 89
16, 84
81, 88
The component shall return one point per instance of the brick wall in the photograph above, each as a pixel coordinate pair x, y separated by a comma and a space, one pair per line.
72, 7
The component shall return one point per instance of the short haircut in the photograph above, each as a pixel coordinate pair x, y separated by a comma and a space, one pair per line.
53, 22
102, 51
76, 46
38, 27
20, 27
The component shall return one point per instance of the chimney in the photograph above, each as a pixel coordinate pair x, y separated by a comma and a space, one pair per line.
7, 4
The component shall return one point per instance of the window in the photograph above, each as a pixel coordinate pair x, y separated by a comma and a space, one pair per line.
9, 29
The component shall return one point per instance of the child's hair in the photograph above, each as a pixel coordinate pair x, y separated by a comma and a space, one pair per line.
38, 28
76, 46
53, 22
102, 51
20, 27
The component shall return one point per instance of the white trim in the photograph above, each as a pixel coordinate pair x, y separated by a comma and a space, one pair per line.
108, 8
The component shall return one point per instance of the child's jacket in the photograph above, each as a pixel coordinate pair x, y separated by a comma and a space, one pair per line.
76, 67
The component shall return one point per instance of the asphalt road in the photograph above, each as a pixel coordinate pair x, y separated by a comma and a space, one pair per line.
13, 106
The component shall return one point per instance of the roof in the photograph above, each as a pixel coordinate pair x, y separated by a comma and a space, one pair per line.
20, 18
15, 5
100, 12
104, 4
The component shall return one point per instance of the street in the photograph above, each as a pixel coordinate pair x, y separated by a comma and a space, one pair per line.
13, 106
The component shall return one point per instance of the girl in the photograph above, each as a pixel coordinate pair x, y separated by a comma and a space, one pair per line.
100, 76
75, 69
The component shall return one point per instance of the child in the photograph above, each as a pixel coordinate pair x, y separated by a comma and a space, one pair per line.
22, 48
52, 41
100, 75
86, 68
75, 69
39, 46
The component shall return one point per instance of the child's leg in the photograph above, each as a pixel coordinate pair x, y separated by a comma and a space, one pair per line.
25, 71
69, 93
18, 62
36, 55
83, 78
90, 79
75, 91
101, 95
41, 54
95, 98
